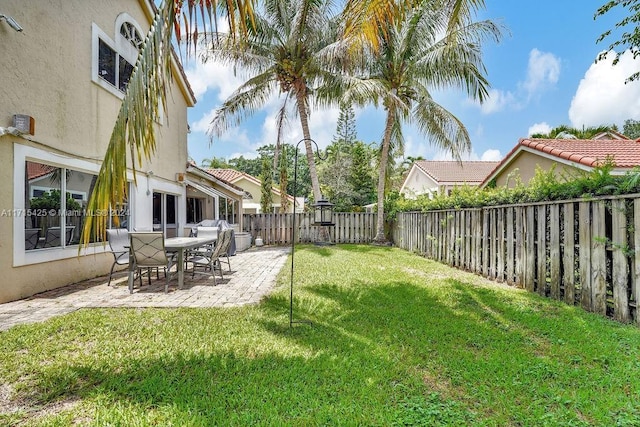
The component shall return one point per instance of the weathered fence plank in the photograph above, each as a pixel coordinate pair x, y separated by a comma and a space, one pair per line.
568, 254
485, 243
635, 280
585, 255
554, 251
620, 272
530, 249
541, 244
519, 249
502, 245
493, 226
510, 249
599, 259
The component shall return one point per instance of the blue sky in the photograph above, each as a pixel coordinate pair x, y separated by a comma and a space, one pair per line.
542, 75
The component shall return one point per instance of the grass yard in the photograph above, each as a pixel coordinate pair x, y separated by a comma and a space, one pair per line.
396, 340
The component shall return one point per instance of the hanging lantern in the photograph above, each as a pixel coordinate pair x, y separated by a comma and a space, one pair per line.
323, 212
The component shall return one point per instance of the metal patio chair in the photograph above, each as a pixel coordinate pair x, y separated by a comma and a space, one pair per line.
148, 252
118, 239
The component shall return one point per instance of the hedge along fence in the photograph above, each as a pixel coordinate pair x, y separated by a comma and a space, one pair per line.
276, 229
584, 252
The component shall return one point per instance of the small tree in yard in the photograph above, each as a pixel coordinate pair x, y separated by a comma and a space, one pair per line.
266, 198
284, 201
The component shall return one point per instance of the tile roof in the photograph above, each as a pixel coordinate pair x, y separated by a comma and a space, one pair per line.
588, 152
222, 181
37, 170
229, 175
232, 175
452, 171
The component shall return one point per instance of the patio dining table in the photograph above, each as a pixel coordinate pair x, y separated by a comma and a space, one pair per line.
180, 245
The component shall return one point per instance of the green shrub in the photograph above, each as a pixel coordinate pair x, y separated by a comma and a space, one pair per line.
546, 185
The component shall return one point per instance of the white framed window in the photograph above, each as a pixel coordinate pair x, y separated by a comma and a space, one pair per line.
47, 225
114, 58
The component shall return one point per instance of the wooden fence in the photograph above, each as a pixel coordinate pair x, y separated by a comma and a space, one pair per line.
276, 229
582, 251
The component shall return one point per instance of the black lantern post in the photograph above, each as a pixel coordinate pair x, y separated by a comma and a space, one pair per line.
293, 231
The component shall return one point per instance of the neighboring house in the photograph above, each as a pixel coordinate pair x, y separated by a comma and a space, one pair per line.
611, 134
568, 155
434, 176
252, 186
210, 197
62, 86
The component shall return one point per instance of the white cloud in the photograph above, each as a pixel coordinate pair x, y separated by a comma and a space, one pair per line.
497, 101
213, 76
603, 98
543, 71
202, 125
491, 155
322, 126
539, 128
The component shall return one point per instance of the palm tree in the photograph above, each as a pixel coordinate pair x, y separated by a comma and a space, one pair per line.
133, 131
568, 132
282, 54
436, 45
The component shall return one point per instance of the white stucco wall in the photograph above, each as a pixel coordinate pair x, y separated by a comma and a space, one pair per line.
47, 75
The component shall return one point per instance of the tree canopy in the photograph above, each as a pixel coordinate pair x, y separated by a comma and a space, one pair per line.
630, 38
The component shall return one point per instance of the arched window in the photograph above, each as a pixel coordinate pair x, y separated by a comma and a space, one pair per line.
114, 60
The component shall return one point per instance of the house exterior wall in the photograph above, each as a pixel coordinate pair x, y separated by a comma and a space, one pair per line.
252, 206
524, 165
210, 204
418, 183
47, 74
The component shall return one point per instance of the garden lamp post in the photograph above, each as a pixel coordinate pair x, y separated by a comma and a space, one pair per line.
293, 231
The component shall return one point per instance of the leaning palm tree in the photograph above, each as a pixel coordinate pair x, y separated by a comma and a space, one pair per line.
282, 54
436, 45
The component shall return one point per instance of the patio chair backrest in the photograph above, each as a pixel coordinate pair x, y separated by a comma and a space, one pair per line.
118, 239
207, 232
221, 245
31, 238
52, 237
148, 249
226, 241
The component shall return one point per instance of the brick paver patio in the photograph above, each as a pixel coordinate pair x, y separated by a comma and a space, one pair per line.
253, 274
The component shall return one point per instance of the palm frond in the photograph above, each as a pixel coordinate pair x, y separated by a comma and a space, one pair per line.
244, 102
134, 126
445, 130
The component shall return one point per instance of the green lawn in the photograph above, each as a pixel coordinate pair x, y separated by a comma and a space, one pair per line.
396, 340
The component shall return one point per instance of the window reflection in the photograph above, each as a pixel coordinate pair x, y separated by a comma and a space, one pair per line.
52, 220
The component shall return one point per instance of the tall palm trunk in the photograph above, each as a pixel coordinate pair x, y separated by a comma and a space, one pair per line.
304, 122
382, 178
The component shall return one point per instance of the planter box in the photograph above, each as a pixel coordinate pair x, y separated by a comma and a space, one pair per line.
243, 241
